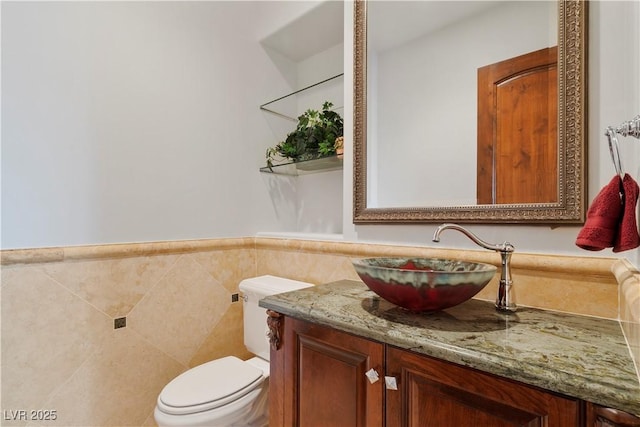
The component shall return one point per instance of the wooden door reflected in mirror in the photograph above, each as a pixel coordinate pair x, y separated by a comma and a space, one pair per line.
518, 129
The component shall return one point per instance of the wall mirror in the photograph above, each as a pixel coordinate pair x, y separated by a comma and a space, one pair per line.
440, 133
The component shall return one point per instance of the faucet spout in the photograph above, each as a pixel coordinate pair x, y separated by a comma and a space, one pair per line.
505, 301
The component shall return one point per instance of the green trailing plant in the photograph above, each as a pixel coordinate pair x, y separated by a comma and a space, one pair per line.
314, 137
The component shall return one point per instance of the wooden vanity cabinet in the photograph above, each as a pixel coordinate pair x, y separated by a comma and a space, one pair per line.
318, 380
436, 393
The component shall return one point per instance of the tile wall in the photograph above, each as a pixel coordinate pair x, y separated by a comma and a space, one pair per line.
60, 350
629, 279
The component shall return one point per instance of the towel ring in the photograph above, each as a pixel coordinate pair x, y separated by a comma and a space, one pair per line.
614, 149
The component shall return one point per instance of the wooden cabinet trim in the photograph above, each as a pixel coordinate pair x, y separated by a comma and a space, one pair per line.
599, 416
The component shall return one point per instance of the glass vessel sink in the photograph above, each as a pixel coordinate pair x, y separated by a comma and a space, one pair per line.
424, 284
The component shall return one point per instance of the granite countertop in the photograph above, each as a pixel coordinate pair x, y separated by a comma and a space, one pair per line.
579, 356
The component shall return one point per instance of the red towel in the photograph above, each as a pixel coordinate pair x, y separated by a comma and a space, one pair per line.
627, 237
603, 219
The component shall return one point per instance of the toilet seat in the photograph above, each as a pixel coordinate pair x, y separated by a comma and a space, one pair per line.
209, 386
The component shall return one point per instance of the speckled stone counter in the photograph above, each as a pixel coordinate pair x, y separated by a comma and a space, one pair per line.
579, 356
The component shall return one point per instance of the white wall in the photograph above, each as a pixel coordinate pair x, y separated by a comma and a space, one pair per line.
319, 196
613, 96
136, 121
614, 90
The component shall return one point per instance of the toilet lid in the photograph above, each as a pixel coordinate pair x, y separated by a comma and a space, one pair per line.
209, 386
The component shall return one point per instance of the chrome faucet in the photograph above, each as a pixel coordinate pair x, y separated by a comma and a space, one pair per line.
506, 300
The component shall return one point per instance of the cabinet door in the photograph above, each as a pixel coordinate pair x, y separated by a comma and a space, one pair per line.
324, 378
598, 416
435, 393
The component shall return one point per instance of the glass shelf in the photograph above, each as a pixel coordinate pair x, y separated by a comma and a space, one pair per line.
323, 164
269, 106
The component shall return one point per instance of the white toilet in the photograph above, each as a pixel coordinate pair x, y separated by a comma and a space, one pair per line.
228, 391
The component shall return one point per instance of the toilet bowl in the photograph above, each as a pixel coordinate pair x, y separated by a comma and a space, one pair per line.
228, 391
223, 392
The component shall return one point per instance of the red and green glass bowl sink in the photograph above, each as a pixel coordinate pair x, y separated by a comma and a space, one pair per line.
424, 284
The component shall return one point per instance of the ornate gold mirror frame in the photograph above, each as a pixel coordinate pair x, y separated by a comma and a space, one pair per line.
572, 144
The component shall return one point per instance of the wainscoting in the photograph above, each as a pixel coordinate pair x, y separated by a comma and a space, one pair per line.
61, 351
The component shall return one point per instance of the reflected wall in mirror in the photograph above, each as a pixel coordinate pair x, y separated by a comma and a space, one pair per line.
433, 143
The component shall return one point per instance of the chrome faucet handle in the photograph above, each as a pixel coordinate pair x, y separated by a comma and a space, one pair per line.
506, 300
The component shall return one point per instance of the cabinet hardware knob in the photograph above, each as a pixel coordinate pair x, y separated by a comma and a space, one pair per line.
391, 383
372, 375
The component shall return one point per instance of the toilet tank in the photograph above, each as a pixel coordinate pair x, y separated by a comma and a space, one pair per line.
255, 317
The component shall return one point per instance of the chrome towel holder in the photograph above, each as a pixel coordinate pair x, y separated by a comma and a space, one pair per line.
628, 128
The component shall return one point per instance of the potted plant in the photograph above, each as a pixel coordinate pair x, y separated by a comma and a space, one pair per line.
317, 135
